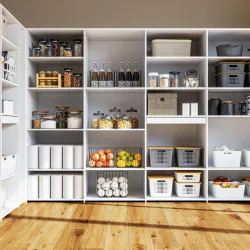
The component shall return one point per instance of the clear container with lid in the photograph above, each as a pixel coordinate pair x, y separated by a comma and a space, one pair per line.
67, 51
174, 79
124, 122
68, 77
77, 79
62, 47
36, 118
164, 81
153, 79
96, 119
115, 115
36, 52
54, 74
75, 119
42, 43
48, 122
133, 115
78, 48
48, 50
106, 122
54, 47
61, 116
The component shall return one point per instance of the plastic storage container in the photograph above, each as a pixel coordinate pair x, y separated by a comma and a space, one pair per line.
56, 186
230, 67
68, 157
187, 190
160, 185
44, 157
187, 176
75, 119
78, 157
68, 77
174, 79
96, 119
230, 80
229, 50
170, 47
48, 122
44, 186
161, 156
188, 156
246, 157
230, 193
223, 159
227, 108
153, 79
33, 157
56, 156
164, 81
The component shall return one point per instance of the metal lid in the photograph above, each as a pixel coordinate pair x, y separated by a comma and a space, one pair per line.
78, 40
229, 102
42, 41
125, 117
75, 111
114, 110
131, 110
48, 44
41, 111
98, 114
164, 75
153, 74
68, 47
68, 69
174, 72
54, 40
36, 47
106, 117
77, 74
62, 107
191, 73
63, 43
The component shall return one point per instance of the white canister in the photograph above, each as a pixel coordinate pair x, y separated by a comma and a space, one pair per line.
44, 157
56, 186
56, 156
68, 157
33, 157
246, 157
194, 109
78, 157
185, 109
44, 186
33, 187
68, 186
78, 187
75, 119
8, 107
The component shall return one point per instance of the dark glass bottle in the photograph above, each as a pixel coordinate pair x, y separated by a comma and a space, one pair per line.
121, 76
102, 77
94, 76
129, 77
136, 76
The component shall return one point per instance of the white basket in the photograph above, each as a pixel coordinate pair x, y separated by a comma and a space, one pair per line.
170, 47
246, 157
187, 176
9, 164
188, 156
161, 156
187, 190
223, 159
220, 192
160, 185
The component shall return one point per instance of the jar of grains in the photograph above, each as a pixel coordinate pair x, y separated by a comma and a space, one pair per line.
42, 74
67, 77
54, 82
48, 122
78, 48
36, 118
67, 51
124, 123
164, 81
48, 73
48, 50
61, 116
105, 122
153, 79
75, 119
42, 44
115, 115
132, 113
55, 47
77, 79
62, 46
96, 119
36, 52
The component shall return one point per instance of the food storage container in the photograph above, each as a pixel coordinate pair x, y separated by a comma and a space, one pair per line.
226, 159
61, 116
36, 52
161, 156
230, 67
227, 108
42, 43
187, 190
42, 74
78, 47
229, 50
153, 79
115, 114
96, 119
186, 109
75, 119
219, 192
246, 157
187, 176
67, 77
48, 73
214, 106
124, 122
191, 78
48, 50
230, 80
36, 118
160, 185
62, 46
188, 156
48, 122
77, 79
44, 156
133, 115
164, 81
67, 51
105, 122
54, 74
54, 47
174, 79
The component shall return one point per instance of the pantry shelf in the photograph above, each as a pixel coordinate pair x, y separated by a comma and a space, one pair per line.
211, 198
115, 169
178, 89
55, 60
55, 170
130, 197
229, 89
69, 200
8, 45
228, 116
54, 130
242, 168
176, 168
8, 84
117, 130
176, 120
175, 60
115, 89
56, 89
175, 198
212, 61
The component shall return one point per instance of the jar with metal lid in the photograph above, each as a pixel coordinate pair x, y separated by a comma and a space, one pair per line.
54, 74
174, 79
105, 122
55, 47
78, 48
153, 79
75, 119
67, 51
62, 47
42, 74
61, 116
36, 118
77, 79
164, 81
133, 115
48, 50
115, 115
36, 52
42, 43
48, 73
48, 122
67, 77
124, 122
96, 119
227, 108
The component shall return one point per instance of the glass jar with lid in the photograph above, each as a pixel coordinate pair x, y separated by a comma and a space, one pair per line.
48, 50
132, 113
62, 47
42, 43
75, 119
153, 79
55, 47
164, 81
68, 77
124, 122
36, 118
96, 119
106, 122
174, 79
48, 122
61, 116
115, 115
78, 48
54, 82
67, 51
36, 52
77, 79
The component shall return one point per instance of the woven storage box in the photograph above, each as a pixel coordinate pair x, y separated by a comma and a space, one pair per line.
169, 47
162, 104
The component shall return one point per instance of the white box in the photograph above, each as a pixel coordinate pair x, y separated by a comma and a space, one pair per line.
160, 185
223, 159
187, 190
194, 109
7, 107
187, 176
9, 163
246, 157
186, 109
220, 192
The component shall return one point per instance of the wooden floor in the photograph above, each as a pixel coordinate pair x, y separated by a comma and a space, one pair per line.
120, 226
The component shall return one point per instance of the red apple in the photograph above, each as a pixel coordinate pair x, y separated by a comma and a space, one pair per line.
91, 155
103, 157
110, 156
96, 157
92, 163
99, 164
105, 164
108, 151
100, 152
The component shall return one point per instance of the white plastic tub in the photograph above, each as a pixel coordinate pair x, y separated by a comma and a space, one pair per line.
220, 192
9, 164
226, 159
187, 176
187, 190
246, 157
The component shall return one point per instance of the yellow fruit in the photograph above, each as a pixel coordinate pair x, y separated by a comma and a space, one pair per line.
135, 163
121, 153
137, 157
121, 164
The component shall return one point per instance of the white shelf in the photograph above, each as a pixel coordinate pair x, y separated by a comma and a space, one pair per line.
115, 169
9, 176
228, 116
127, 90
9, 119
55, 170
69, 200
176, 168
8, 84
211, 198
131, 197
73, 89
175, 198
228, 169
183, 89
117, 130
212, 61
8, 45
55, 60
176, 120
228, 90
176, 60
8, 210
54, 130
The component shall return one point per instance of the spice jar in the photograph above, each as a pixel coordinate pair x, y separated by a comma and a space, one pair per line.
48, 122
174, 79
54, 82
105, 122
115, 115
67, 77
36, 52
61, 116
164, 81
48, 50
124, 123
67, 51
42, 83
96, 119
36, 118
153, 79
48, 73
55, 47
75, 119
48, 82
132, 114
42, 74
78, 47
42, 44
77, 79
62, 46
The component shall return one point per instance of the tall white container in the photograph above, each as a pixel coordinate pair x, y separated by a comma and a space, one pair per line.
78, 187
33, 157
194, 109
246, 157
33, 187
56, 186
185, 109
68, 186
44, 157
68, 157
78, 157
44, 186
56, 156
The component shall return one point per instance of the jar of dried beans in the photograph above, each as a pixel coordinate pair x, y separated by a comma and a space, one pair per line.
77, 79
55, 47
133, 115
62, 46
67, 51
78, 48
67, 77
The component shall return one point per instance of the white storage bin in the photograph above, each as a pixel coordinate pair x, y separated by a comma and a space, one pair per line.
220, 192
68, 157
56, 157
33, 187
9, 164
33, 157
78, 187
161, 156
187, 190
78, 154
223, 159
188, 156
160, 185
187, 176
44, 186
68, 186
246, 157
8, 107
170, 47
44, 157
56, 186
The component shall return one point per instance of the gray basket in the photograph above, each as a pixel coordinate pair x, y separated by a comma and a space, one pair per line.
230, 67
229, 50
162, 104
161, 157
230, 80
188, 157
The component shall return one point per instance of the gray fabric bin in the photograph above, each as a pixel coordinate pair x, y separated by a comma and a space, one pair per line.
230, 67
230, 80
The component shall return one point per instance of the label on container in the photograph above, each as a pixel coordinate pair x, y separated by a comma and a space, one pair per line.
102, 84
121, 83
94, 84
136, 84
110, 84
128, 84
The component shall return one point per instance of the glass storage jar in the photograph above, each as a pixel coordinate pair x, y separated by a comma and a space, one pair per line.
48, 50
48, 122
62, 46
55, 47
36, 52
36, 118
105, 122
67, 77
124, 122
78, 48
48, 82
48, 74
164, 81
67, 51
77, 79
115, 115
153, 79
54, 74
133, 115
96, 119
61, 116
42, 44
42, 74
75, 119
174, 79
